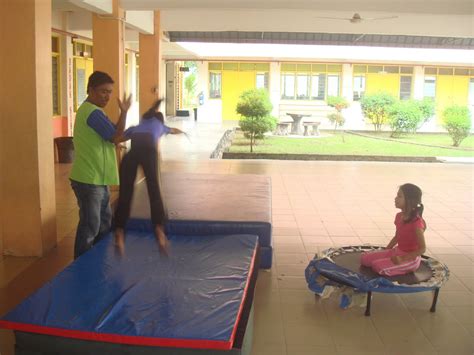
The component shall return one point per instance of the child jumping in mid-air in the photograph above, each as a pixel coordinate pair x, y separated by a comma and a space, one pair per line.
144, 152
403, 254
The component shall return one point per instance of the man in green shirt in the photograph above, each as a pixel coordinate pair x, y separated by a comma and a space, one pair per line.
95, 163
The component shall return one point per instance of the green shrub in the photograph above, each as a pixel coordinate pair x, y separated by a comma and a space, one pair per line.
338, 102
457, 121
376, 107
255, 107
405, 116
337, 119
427, 107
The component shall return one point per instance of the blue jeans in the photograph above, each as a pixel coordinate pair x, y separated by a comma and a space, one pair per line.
95, 216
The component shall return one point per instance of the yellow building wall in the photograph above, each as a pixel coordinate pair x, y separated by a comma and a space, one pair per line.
389, 83
234, 83
451, 90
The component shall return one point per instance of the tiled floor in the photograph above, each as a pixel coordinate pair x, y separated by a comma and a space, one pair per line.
316, 205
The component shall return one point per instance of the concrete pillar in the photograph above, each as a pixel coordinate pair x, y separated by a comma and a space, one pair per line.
67, 76
275, 90
347, 90
27, 188
109, 52
150, 66
418, 82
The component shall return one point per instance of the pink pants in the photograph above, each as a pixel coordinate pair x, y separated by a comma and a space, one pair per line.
381, 263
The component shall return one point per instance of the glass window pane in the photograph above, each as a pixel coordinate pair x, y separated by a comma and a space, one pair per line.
359, 87
288, 86
406, 70
247, 66
391, 69
430, 87
360, 69
431, 71
333, 85
215, 66
231, 66
215, 85
471, 91
445, 71
55, 86
318, 86
375, 68
262, 81
262, 66
304, 67
405, 87
288, 67
461, 71
335, 68
302, 85
319, 67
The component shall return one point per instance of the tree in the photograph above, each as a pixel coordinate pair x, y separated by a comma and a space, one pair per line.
255, 107
427, 107
457, 121
376, 108
190, 84
405, 116
337, 118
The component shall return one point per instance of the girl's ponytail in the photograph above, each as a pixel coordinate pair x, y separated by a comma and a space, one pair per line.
420, 208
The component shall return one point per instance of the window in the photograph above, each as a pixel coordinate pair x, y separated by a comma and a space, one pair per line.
288, 84
55, 75
429, 89
318, 86
471, 92
303, 81
215, 85
359, 87
405, 87
333, 85
302, 86
262, 81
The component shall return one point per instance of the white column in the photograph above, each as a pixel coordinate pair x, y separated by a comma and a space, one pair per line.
347, 74
133, 115
275, 92
418, 82
67, 76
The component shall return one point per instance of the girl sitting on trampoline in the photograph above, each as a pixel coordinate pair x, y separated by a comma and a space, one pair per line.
144, 151
403, 254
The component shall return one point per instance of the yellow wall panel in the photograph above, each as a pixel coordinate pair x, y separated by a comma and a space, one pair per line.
233, 84
383, 82
451, 90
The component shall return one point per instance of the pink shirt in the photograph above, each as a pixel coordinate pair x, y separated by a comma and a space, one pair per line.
406, 232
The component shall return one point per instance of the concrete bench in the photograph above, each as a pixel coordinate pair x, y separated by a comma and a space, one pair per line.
314, 128
283, 128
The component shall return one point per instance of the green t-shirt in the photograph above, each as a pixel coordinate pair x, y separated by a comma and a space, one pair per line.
95, 161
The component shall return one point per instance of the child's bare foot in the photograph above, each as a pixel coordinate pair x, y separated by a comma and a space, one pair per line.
163, 243
120, 241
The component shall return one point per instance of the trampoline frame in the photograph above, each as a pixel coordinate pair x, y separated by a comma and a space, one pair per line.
326, 254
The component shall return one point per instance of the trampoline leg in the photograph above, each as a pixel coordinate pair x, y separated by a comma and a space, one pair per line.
367, 309
435, 299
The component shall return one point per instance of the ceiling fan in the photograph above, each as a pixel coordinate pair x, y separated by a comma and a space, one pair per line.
356, 18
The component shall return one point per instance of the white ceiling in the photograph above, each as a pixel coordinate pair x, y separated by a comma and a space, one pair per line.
460, 7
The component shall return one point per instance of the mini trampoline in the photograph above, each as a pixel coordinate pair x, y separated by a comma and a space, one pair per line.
197, 300
341, 266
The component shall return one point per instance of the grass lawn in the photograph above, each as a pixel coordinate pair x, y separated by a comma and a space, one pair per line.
432, 139
332, 144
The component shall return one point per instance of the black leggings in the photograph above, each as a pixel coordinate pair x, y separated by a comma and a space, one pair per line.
143, 152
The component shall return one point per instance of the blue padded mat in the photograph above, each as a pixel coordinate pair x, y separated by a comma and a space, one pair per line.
193, 298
